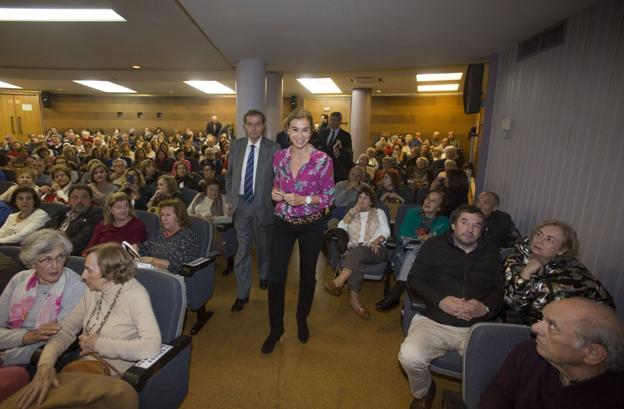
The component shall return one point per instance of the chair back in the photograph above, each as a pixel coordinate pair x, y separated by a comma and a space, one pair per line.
52, 208
187, 195
487, 346
9, 174
203, 231
151, 221
168, 296
5, 185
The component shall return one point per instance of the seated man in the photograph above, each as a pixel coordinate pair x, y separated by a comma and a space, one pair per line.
458, 277
79, 220
499, 228
576, 361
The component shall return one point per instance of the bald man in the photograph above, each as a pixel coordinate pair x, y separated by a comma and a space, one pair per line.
575, 361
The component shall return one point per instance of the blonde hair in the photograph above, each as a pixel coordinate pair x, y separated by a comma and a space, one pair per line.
571, 244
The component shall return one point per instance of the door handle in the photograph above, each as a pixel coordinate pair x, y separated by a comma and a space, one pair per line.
12, 126
19, 124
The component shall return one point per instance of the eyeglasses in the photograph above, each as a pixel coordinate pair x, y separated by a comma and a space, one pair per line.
60, 259
302, 131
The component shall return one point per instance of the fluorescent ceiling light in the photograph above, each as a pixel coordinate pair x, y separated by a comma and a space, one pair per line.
211, 87
320, 85
7, 85
438, 87
106, 86
30, 14
451, 76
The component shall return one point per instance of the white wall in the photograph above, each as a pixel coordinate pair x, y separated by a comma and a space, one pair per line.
564, 155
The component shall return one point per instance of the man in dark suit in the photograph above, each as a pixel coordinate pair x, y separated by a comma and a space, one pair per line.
336, 142
79, 220
282, 139
214, 126
248, 186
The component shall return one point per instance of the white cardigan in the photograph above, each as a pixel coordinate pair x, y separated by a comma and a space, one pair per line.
14, 232
382, 230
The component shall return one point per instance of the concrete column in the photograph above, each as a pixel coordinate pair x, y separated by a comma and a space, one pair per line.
250, 90
361, 100
274, 104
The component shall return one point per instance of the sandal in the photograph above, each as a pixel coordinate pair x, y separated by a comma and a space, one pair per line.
361, 312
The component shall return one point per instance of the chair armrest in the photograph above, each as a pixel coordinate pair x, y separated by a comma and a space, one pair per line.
452, 400
391, 243
223, 226
416, 301
138, 376
66, 356
190, 268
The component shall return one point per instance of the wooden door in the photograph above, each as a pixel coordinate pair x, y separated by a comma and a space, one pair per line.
28, 116
7, 117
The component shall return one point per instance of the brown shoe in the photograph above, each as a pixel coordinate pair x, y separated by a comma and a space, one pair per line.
427, 400
361, 312
331, 288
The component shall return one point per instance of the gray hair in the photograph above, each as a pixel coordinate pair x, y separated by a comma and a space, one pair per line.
43, 241
602, 327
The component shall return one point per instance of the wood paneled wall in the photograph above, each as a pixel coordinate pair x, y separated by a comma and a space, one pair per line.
424, 114
94, 111
562, 157
327, 105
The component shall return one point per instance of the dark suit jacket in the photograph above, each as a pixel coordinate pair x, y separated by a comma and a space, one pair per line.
80, 229
213, 128
344, 162
264, 175
283, 140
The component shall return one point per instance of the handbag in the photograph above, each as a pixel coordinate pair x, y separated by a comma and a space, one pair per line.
99, 366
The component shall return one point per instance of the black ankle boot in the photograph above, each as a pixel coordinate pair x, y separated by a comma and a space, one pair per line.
303, 332
392, 299
272, 339
230, 266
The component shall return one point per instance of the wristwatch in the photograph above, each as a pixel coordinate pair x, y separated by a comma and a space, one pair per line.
308, 200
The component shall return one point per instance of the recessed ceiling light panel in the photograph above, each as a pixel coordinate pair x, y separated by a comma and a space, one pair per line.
106, 86
438, 87
211, 87
33, 14
320, 85
7, 85
451, 76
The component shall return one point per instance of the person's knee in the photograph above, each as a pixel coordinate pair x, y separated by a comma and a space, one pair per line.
411, 356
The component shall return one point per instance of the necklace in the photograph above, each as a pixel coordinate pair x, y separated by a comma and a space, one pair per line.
89, 327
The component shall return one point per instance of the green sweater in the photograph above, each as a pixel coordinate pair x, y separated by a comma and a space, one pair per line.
413, 219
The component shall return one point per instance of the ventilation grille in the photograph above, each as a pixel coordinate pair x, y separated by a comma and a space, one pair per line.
365, 80
543, 41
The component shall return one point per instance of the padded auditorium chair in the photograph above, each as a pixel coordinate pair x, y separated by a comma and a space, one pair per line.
164, 383
187, 195
373, 272
5, 185
487, 346
151, 221
52, 208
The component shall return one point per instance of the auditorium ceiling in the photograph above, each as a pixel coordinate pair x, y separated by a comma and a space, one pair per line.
359, 43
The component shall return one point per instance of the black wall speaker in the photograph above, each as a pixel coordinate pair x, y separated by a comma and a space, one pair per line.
472, 88
293, 102
46, 99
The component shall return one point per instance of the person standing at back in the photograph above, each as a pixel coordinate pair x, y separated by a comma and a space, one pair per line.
248, 185
336, 142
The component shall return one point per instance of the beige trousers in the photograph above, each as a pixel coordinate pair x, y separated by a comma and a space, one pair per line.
425, 341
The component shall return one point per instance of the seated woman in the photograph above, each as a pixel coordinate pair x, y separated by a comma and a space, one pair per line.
101, 184
163, 162
23, 177
368, 228
136, 189
61, 182
543, 268
119, 224
390, 190
28, 219
183, 175
36, 299
347, 192
419, 176
369, 172
175, 243
454, 183
166, 188
117, 322
149, 172
418, 225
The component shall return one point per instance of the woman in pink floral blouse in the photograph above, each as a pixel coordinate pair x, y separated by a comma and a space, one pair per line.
303, 190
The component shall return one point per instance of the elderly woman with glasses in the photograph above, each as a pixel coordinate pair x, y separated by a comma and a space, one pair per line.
36, 299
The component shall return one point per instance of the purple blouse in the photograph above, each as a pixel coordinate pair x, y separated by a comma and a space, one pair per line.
315, 178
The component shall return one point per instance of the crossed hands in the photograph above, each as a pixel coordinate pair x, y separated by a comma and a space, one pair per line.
462, 309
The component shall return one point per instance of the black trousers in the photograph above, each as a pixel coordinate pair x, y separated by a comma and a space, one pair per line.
283, 236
